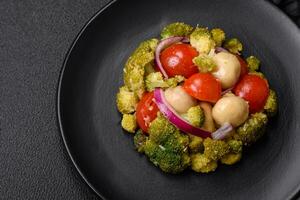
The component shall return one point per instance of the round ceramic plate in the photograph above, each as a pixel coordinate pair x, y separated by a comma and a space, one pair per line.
90, 124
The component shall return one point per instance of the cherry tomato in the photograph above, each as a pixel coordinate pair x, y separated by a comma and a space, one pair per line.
203, 86
146, 111
253, 89
244, 67
178, 60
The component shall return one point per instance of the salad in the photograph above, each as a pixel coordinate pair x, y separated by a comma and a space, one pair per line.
192, 100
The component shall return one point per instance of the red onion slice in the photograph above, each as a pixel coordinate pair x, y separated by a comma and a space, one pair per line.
174, 118
222, 132
185, 40
226, 91
161, 46
220, 49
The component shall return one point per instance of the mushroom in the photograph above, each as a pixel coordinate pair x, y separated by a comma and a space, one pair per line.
231, 109
179, 99
228, 69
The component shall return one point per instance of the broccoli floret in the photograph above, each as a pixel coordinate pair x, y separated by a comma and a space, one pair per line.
252, 129
202, 40
235, 146
233, 45
174, 81
166, 159
253, 63
196, 144
235, 152
260, 74
129, 123
218, 36
126, 100
200, 163
160, 129
166, 146
204, 63
215, 149
231, 158
271, 106
176, 29
154, 80
195, 116
134, 70
139, 140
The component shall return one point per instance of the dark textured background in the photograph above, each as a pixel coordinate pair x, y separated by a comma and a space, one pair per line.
34, 38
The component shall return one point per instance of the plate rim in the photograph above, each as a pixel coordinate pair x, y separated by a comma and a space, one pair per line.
58, 94
294, 194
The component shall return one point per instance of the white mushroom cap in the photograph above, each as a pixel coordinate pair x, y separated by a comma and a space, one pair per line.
228, 69
179, 99
231, 109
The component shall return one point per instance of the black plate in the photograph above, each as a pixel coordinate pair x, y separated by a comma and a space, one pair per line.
90, 124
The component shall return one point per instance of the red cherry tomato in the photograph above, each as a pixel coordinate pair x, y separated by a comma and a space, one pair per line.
253, 89
244, 67
146, 111
178, 60
203, 86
